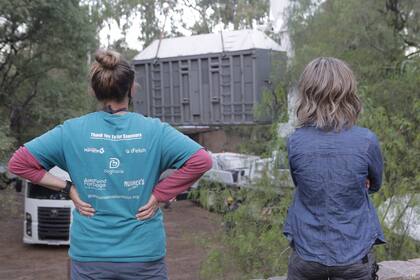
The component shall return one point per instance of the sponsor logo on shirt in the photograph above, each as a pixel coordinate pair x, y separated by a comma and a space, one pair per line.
134, 184
113, 171
95, 184
94, 150
135, 151
114, 163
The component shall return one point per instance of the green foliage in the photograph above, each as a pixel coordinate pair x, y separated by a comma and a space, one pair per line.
253, 245
43, 66
273, 104
239, 14
256, 237
394, 210
212, 196
260, 140
6, 144
122, 47
255, 139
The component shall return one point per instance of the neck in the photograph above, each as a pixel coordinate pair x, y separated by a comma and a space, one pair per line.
118, 107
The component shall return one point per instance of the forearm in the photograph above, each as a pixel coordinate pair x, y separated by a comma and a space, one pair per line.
52, 182
183, 178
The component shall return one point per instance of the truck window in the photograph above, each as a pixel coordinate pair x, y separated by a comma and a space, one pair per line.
40, 192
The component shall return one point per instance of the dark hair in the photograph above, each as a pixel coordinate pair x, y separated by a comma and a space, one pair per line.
111, 76
328, 95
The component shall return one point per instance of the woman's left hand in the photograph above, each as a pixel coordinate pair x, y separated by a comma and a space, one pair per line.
148, 210
84, 208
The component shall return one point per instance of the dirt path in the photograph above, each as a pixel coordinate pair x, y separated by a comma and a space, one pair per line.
186, 226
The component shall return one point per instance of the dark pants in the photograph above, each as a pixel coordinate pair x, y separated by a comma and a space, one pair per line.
300, 269
119, 271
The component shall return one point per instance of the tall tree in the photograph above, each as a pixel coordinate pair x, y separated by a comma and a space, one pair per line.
238, 13
152, 16
43, 61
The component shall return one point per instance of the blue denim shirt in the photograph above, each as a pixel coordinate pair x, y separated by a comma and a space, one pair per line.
332, 220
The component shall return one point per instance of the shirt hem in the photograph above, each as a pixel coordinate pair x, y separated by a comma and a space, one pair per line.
114, 259
375, 241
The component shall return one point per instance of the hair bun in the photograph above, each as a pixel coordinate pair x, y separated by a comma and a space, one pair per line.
107, 59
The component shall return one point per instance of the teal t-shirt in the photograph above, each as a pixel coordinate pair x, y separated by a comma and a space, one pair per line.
114, 161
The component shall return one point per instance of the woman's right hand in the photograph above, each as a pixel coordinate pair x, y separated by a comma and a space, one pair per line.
367, 183
84, 208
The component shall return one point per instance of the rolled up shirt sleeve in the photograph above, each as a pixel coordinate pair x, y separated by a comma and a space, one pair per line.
25, 165
182, 179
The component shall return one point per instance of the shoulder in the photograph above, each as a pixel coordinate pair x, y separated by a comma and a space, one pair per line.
300, 133
365, 133
79, 120
155, 122
144, 119
160, 128
366, 138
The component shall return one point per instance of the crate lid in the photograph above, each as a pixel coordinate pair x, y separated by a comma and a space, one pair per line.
224, 41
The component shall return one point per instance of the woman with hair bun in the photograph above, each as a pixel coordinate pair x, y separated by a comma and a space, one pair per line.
114, 158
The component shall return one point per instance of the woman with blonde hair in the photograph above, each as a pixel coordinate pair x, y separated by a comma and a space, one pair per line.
332, 223
114, 159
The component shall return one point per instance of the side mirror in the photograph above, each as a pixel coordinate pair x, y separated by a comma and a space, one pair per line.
18, 185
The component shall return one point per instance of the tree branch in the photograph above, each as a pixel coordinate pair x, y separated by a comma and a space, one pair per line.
413, 54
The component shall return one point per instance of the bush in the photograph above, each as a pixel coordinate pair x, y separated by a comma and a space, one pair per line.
253, 244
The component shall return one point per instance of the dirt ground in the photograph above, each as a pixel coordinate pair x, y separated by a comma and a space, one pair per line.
187, 227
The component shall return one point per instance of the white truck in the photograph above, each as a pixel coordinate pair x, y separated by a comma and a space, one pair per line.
48, 213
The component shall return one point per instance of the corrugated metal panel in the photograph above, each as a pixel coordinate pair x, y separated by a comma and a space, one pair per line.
216, 89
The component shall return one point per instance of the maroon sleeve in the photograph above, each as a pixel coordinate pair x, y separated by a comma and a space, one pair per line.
183, 178
25, 165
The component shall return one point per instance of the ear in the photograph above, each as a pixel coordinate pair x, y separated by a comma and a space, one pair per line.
134, 87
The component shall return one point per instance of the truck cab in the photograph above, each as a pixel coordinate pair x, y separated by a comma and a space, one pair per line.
48, 213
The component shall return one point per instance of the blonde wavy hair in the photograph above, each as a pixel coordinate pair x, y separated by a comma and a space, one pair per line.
328, 95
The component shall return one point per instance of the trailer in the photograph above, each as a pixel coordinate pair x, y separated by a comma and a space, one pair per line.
206, 80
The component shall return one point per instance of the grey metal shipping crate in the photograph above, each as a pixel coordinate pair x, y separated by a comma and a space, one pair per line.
218, 88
